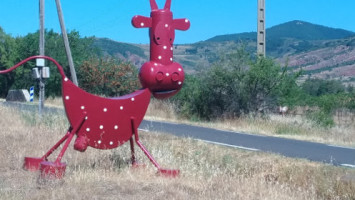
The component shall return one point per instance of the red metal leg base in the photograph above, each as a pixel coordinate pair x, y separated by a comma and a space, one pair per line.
169, 172
32, 164
52, 170
138, 165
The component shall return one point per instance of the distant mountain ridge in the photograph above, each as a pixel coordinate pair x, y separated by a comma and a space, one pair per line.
320, 51
294, 29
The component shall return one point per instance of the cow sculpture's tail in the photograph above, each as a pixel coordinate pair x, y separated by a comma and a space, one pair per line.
59, 67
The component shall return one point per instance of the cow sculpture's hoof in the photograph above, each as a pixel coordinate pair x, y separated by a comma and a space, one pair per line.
169, 172
32, 164
52, 170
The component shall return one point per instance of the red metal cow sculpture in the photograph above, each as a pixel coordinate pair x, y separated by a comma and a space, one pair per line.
106, 123
161, 75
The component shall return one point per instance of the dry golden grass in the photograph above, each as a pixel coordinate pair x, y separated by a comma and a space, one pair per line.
54, 102
208, 171
290, 126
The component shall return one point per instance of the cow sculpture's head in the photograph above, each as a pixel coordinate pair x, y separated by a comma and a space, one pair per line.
161, 75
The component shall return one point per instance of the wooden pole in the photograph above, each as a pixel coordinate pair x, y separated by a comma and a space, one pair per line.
41, 52
66, 43
261, 43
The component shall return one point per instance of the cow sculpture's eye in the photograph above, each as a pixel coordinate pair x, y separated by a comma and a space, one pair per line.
158, 39
171, 36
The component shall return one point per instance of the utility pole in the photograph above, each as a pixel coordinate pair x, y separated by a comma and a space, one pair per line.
261, 42
41, 63
66, 43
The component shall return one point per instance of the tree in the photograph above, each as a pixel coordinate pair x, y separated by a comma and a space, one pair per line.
108, 77
270, 85
319, 87
8, 57
81, 48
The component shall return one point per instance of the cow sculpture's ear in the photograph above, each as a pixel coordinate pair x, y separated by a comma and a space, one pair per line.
181, 24
141, 21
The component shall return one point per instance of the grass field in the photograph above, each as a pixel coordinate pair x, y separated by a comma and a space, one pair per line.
207, 171
289, 126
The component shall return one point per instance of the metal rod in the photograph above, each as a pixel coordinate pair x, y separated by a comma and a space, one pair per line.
45, 156
73, 131
133, 156
66, 43
136, 137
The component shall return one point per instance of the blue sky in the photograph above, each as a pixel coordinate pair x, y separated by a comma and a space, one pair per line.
112, 18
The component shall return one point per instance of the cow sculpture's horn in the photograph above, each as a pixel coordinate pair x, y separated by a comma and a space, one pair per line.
167, 5
153, 5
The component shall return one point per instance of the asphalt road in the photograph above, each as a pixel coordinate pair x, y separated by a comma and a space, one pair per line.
335, 155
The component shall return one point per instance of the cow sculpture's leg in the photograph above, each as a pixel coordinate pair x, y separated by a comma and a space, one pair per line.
53, 170
56, 169
33, 164
133, 158
165, 172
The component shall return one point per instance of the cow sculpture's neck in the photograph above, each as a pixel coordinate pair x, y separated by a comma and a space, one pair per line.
161, 75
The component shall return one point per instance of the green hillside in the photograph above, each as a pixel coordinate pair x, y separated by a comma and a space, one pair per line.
306, 31
294, 29
113, 48
233, 37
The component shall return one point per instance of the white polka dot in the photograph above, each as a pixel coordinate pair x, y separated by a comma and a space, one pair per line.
116, 127
132, 99
88, 129
165, 47
101, 127
66, 79
180, 69
67, 97
171, 59
166, 25
152, 69
156, 64
180, 83
186, 20
159, 57
82, 107
167, 74
142, 24
99, 142
171, 48
105, 109
121, 107
86, 118
111, 143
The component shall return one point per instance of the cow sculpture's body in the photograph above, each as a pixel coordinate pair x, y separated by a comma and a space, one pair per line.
106, 123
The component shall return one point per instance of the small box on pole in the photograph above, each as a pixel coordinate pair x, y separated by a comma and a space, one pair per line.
35, 73
45, 72
40, 62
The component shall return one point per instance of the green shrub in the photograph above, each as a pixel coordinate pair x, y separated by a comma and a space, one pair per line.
234, 86
321, 118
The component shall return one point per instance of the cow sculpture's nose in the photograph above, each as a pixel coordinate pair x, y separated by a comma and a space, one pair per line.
163, 81
175, 77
